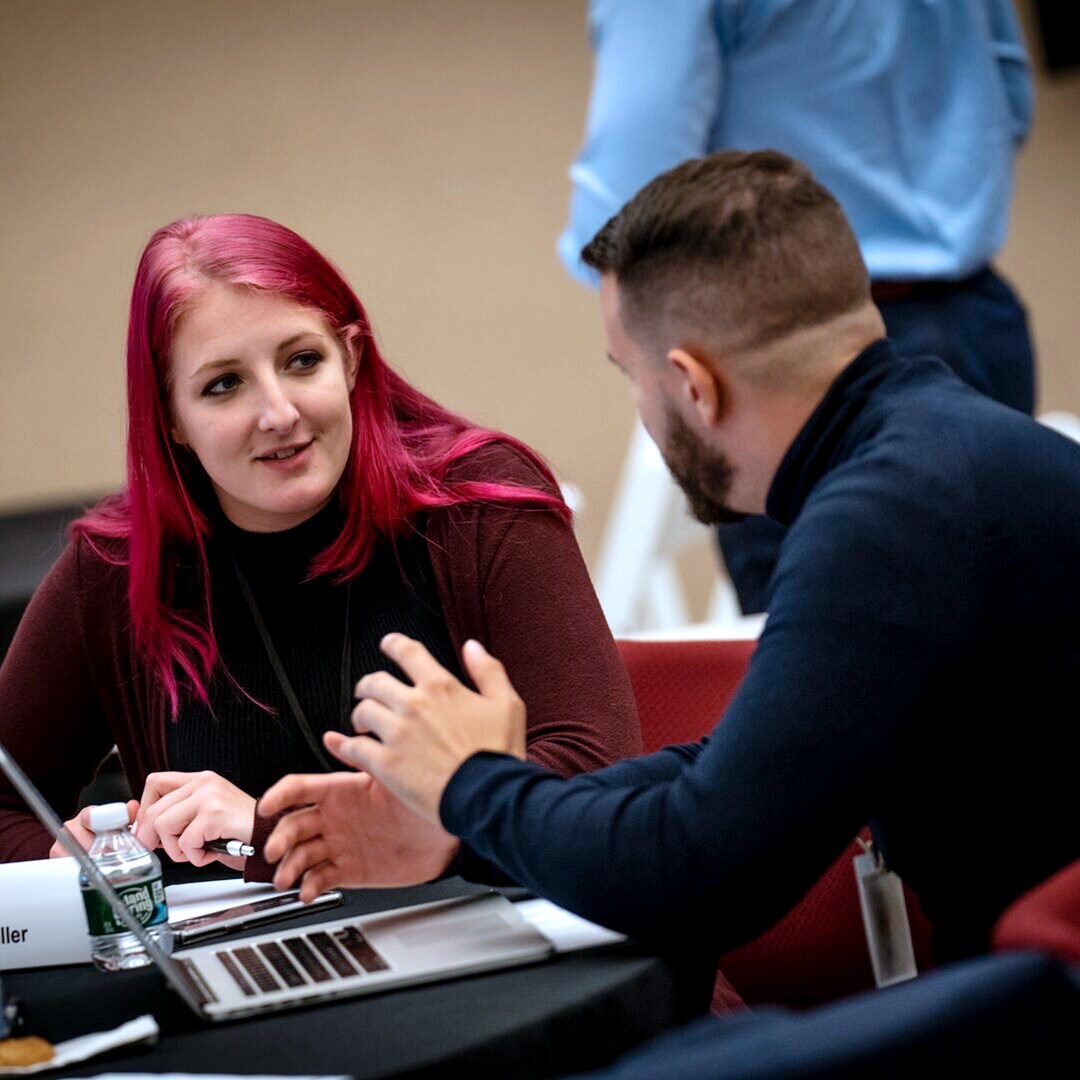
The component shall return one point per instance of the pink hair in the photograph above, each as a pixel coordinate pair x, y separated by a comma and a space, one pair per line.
403, 443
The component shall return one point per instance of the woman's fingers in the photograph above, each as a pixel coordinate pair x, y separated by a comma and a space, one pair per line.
170, 825
154, 805
159, 784
191, 842
79, 827
210, 806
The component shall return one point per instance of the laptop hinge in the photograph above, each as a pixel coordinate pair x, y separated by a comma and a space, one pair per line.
194, 981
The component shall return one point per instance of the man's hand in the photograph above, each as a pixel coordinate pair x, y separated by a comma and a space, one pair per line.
79, 827
182, 811
354, 835
427, 730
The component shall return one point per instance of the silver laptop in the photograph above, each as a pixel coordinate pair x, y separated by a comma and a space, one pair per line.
342, 958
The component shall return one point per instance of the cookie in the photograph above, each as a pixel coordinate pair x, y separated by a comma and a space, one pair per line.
28, 1051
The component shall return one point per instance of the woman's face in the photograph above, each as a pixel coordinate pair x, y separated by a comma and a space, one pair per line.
260, 394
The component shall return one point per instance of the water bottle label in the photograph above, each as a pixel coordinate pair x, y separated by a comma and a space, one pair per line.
145, 900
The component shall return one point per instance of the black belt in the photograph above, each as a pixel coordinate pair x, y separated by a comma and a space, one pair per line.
888, 291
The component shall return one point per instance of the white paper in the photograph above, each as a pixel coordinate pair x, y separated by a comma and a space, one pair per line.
203, 897
142, 1029
205, 1076
565, 930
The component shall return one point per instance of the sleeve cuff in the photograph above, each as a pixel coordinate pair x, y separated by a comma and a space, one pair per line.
256, 868
466, 864
454, 806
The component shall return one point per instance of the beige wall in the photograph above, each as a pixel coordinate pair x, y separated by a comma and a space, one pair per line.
1042, 254
422, 145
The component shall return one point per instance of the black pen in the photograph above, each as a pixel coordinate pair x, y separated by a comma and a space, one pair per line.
236, 848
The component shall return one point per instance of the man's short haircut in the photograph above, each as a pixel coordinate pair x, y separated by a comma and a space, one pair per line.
730, 251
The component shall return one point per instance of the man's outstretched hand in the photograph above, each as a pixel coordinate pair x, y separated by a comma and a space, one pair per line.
354, 834
349, 830
428, 729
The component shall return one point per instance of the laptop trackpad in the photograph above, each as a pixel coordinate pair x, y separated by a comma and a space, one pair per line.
475, 926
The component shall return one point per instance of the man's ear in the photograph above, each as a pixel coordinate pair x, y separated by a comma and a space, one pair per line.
704, 388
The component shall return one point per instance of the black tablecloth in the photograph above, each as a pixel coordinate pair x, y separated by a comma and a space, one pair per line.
576, 1011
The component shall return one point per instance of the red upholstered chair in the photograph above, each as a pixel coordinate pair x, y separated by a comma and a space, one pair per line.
1046, 918
817, 952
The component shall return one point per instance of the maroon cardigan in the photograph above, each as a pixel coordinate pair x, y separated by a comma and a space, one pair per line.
512, 577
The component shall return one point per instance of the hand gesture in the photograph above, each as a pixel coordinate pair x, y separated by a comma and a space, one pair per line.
79, 827
428, 729
180, 812
355, 834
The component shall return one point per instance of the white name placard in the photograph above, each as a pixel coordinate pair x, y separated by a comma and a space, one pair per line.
42, 919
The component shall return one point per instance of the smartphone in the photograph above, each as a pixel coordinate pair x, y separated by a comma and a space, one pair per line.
243, 916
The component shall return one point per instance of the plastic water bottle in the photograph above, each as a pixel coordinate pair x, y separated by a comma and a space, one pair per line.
135, 873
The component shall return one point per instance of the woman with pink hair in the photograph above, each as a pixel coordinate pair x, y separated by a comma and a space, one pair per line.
290, 499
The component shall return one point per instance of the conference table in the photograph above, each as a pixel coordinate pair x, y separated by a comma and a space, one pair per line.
575, 1011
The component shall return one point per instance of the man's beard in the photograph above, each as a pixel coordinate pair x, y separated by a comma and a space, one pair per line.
705, 479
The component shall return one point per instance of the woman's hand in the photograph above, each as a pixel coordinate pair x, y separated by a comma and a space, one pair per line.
180, 812
354, 835
79, 827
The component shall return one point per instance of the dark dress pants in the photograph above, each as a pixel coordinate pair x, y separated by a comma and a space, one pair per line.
978, 327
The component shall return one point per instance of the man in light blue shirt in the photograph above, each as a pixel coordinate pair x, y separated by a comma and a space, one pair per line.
909, 111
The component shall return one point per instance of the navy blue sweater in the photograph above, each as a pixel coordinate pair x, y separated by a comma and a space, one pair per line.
919, 671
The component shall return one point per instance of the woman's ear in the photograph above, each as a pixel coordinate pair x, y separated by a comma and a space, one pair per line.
352, 349
704, 388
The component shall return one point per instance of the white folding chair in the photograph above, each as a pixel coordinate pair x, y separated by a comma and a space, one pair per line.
1064, 423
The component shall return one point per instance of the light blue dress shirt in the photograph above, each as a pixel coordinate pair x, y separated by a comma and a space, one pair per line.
909, 111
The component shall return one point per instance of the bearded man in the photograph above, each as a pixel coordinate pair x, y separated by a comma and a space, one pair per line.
921, 636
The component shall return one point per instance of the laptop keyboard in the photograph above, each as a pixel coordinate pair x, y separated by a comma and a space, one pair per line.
360, 949
302, 954
284, 967
338, 961
296, 961
258, 971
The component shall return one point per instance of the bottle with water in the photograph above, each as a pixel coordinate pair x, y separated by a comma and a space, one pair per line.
135, 873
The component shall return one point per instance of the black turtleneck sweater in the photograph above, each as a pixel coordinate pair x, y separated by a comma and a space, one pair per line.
922, 635
254, 747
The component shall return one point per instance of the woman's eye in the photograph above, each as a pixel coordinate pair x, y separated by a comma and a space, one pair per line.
221, 385
305, 361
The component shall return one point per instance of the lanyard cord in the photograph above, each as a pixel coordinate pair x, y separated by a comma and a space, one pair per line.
299, 716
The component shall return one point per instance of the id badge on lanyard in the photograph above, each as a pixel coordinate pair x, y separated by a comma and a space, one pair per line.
885, 919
